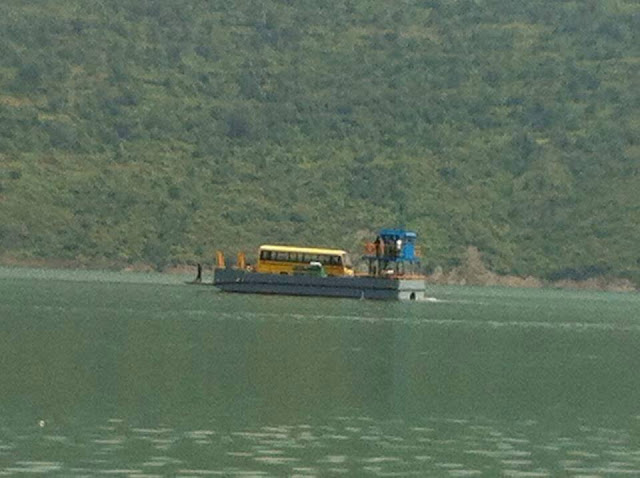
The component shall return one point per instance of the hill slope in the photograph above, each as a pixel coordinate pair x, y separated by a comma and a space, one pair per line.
159, 130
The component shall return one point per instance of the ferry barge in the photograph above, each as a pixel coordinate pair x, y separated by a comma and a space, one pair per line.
391, 260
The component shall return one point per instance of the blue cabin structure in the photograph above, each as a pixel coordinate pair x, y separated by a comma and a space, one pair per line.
393, 253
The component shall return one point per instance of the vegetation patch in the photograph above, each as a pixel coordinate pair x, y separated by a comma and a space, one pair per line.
158, 131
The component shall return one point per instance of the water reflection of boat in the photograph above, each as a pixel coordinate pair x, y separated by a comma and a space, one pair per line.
392, 271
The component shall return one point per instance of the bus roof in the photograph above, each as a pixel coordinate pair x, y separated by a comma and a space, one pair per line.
309, 250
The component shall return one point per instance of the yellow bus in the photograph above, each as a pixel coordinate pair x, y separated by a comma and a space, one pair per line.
291, 260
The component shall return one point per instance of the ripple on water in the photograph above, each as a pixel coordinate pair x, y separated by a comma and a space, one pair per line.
525, 474
39, 467
345, 446
121, 471
276, 460
334, 459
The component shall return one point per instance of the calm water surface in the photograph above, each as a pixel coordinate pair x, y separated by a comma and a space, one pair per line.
140, 375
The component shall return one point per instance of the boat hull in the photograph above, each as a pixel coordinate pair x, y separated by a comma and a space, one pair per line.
241, 281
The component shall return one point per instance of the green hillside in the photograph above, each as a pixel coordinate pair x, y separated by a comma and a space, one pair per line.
160, 130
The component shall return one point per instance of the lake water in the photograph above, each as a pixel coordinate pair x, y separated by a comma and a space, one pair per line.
141, 375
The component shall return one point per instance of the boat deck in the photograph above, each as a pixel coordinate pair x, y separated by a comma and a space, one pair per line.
358, 287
